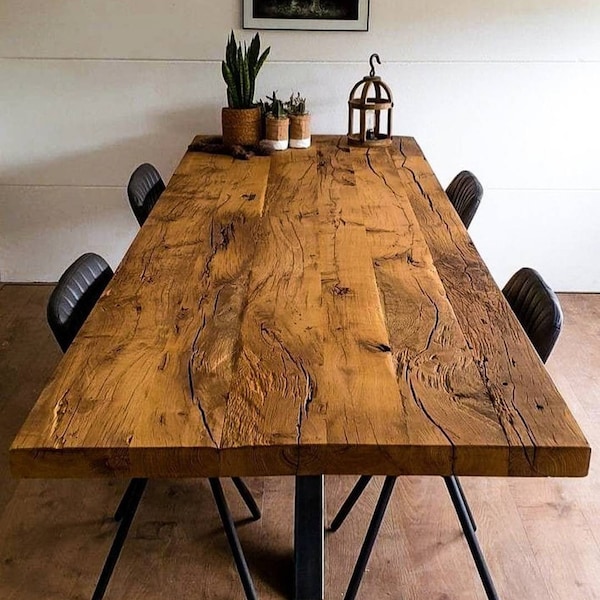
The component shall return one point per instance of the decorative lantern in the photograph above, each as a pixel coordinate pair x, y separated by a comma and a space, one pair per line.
374, 111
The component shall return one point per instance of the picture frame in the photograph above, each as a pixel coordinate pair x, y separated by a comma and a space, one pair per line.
307, 15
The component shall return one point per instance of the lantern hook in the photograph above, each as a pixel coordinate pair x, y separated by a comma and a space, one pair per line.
371, 58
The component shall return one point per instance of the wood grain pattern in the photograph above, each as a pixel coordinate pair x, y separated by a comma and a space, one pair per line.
528, 411
317, 311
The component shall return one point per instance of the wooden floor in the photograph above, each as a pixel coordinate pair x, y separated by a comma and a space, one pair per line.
541, 537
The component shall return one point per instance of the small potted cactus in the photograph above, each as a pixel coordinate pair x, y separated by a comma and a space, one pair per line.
299, 121
241, 119
277, 124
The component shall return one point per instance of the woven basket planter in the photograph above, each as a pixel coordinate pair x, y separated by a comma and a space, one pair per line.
241, 126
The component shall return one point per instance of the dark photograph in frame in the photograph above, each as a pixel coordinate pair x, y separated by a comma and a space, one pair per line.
345, 15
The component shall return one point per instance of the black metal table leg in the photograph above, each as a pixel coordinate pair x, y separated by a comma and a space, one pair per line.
125, 500
232, 538
464, 499
247, 497
374, 525
134, 495
350, 501
467, 527
309, 539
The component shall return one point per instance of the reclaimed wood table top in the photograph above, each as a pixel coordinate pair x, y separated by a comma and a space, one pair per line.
317, 311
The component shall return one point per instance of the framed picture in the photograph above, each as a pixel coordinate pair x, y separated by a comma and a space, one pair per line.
319, 15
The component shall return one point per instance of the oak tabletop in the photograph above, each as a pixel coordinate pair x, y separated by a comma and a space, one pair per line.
316, 311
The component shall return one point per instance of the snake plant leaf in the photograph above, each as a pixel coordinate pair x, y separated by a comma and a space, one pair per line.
253, 53
240, 68
261, 60
246, 84
232, 92
231, 51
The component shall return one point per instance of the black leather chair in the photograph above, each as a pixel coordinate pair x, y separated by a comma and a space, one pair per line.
144, 189
70, 303
75, 295
465, 193
538, 310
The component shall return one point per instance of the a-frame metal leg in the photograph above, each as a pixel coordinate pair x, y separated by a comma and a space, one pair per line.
367, 547
247, 497
232, 538
464, 499
467, 527
127, 513
357, 490
125, 500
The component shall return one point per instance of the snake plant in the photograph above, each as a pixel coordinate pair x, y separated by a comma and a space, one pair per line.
240, 68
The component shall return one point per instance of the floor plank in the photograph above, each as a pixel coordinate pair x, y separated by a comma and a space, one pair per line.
541, 536
28, 356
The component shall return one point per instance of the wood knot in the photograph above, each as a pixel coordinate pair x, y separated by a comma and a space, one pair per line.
338, 290
249, 197
376, 346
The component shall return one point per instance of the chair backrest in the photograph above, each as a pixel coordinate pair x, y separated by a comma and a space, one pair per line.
144, 189
537, 308
465, 193
75, 295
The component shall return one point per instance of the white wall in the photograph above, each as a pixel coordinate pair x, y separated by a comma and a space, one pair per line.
509, 89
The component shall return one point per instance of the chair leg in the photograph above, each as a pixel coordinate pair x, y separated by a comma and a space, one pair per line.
464, 499
465, 522
367, 547
232, 538
247, 497
350, 501
134, 495
125, 501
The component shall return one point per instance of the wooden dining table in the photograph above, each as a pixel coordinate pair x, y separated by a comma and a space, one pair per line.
312, 312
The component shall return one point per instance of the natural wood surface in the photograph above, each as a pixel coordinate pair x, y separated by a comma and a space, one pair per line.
540, 536
317, 311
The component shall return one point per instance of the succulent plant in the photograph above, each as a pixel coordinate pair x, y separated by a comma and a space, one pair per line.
275, 107
240, 68
296, 105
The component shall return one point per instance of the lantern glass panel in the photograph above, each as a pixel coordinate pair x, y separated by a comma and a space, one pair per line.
370, 132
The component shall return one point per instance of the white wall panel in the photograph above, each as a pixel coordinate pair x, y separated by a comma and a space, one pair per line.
45, 228
411, 30
509, 90
513, 229
91, 123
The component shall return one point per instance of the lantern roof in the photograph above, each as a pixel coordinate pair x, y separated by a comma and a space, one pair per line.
381, 98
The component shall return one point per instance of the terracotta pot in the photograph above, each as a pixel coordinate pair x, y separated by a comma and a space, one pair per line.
277, 133
241, 126
299, 131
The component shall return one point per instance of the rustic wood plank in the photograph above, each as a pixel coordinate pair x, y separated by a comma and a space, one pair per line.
433, 363
527, 403
179, 275
358, 407
280, 339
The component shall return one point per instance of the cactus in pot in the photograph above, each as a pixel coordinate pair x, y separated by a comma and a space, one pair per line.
277, 124
299, 121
